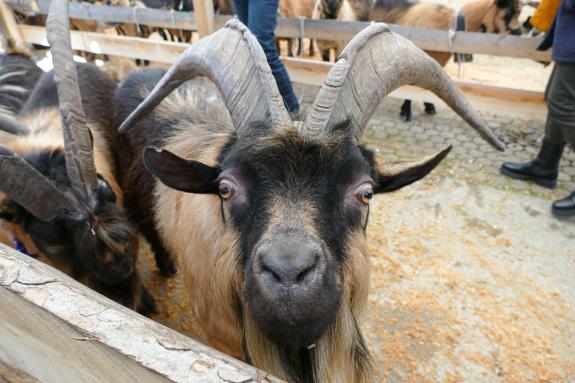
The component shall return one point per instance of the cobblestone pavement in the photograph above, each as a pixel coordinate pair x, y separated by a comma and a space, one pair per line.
472, 158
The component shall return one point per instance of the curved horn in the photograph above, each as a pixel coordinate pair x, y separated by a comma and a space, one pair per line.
77, 137
10, 125
30, 189
375, 63
233, 59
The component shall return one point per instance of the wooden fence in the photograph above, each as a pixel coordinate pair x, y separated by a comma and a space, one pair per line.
301, 70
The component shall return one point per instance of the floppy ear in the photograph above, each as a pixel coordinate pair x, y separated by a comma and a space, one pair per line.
395, 175
180, 174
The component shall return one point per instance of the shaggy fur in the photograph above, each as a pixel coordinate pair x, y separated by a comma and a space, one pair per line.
18, 76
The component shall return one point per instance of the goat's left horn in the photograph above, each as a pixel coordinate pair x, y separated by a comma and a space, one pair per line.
376, 62
77, 137
233, 59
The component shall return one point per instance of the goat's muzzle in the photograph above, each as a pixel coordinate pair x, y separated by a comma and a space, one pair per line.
291, 290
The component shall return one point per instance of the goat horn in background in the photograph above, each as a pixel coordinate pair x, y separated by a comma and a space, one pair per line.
30, 189
77, 137
374, 63
233, 59
10, 125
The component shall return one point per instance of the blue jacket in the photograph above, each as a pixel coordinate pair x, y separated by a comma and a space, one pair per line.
561, 36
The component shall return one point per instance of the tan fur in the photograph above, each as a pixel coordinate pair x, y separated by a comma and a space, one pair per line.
347, 12
207, 252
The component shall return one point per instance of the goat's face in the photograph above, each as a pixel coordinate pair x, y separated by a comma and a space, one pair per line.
503, 17
299, 208
329, 9
99, 246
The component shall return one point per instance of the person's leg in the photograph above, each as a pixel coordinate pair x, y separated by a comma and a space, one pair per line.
262, 21
242, 10
545, 168
561, 104
561, 121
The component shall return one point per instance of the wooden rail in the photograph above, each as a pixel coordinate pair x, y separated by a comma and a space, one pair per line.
300, 70
430, 39
57, 330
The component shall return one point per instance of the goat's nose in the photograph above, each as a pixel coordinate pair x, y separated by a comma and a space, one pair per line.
290, 263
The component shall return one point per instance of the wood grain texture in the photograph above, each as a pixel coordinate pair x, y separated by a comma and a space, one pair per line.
58, 330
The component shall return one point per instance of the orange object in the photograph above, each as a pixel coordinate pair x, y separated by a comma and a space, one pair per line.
544, 14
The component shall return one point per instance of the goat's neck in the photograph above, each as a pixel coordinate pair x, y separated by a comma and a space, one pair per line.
475, 12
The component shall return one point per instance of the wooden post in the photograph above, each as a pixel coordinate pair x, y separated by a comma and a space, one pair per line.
204, 10
11, 32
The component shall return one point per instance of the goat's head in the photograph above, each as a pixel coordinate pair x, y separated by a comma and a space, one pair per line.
329, 9
70, 213
502, 17
295, 196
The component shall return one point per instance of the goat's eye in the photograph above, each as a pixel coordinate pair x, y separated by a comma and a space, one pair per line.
364, 193
226, 189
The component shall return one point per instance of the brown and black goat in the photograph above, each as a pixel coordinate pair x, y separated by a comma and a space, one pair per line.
267, 216
491, 16
344, 10
60, 199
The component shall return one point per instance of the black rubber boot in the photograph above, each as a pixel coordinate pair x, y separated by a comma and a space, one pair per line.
564, 207
543, 170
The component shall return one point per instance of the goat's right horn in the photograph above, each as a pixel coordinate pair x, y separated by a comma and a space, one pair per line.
233, 59
374, 63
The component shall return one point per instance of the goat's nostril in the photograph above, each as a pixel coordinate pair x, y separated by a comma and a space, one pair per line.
288, 266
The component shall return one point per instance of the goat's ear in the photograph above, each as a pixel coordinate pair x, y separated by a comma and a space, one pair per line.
395, 175
180, 174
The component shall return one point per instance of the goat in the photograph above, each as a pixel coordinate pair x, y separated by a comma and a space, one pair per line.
345, 10
297, 8
18, 76
491, 16
60, 199
266, 216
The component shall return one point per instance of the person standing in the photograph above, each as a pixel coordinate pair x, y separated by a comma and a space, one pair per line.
560, 97
260, 16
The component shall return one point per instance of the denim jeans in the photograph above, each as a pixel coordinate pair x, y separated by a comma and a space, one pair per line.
260, 16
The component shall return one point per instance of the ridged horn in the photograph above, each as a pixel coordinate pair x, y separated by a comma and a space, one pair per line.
77, 137
30, 189
376, 62
10, 125
233, 59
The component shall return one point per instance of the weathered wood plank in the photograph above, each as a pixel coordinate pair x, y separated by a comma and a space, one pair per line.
58, 330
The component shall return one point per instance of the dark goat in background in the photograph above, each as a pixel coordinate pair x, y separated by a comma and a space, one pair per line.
491, 16
267, 216
61, 201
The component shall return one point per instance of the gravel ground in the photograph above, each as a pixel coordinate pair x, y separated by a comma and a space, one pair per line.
472, 278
